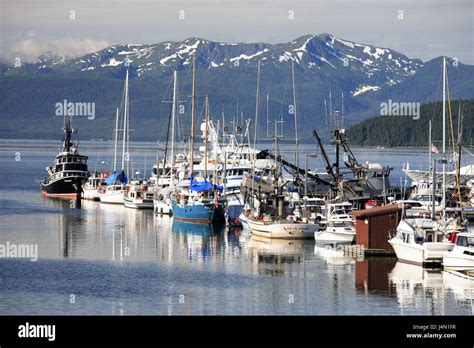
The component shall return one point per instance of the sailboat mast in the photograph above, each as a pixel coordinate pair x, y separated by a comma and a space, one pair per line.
444, 136
256, 106
296, 119
116, 138
429, 144
125, 121
267, 118
127, 157
173, 116
192, 117
205, 137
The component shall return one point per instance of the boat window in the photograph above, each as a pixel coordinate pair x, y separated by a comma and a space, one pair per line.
406, 237
462, 241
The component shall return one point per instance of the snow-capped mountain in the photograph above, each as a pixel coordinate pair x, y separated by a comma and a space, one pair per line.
358, 77
364, 68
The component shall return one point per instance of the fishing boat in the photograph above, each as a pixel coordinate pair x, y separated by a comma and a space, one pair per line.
200, 203
69, 172
269, 227
139, 195
420, 241
461, 257
91, 188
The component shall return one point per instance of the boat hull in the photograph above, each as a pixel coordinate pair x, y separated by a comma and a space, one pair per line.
69, 187
328, 237
91, 194
419, 254
162, 207
198, 213
282, 230
115, 197
455, 262
138, 203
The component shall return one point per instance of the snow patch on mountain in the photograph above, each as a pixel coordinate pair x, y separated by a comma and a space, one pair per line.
378, 52
164, 60
285, 57
112, 62
363, 89
247, 57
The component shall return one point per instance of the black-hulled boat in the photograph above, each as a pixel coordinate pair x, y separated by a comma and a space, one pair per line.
69, 172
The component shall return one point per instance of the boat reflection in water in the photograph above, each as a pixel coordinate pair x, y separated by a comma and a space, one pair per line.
432, 292
462, 286
333, 255
201, 240
273, 255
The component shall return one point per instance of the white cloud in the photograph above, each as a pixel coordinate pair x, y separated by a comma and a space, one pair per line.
30, 48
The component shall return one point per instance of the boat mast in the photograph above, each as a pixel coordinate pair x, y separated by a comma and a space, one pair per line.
205, 137
267, 118
444, 137
429, 144
192, 117
256, 107
116, 139
125, 121
173, 116
296, 120
130, 172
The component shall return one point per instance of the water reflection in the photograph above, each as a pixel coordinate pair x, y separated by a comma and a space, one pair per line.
333, 256
200, 240
372, 274
429, 291
273, 254
220, 271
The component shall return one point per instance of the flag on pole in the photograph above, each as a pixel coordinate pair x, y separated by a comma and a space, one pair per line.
434, 149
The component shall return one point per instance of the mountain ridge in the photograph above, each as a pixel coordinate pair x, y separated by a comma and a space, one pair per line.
227, 73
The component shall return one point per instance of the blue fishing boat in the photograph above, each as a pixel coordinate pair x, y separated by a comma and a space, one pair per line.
201, 204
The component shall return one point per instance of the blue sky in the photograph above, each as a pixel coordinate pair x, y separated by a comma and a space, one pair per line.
428, 29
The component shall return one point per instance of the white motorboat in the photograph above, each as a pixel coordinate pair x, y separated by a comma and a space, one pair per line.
112, 194
461, 258
336, 232
91, 188
419, 241
139, 195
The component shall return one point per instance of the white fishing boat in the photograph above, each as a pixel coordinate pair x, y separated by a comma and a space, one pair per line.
461, 257
420, 241
336, 232
91, 188
139, 195
281, 228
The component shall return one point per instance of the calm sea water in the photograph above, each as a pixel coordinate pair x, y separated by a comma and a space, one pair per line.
101, 259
